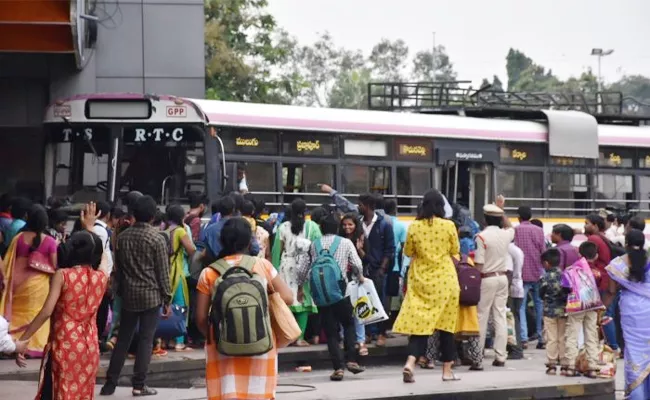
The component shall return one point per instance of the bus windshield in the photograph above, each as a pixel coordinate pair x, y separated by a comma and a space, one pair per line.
163, 156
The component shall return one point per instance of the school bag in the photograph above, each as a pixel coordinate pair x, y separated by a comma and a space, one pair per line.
469, 279
327, 283
239, 314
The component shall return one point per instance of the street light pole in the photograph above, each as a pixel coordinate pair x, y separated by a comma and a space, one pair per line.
600, 53
433, 59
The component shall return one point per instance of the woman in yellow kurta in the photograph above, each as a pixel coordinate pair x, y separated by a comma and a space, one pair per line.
432, 297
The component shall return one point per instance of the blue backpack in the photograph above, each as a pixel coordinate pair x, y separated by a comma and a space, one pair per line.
327, 283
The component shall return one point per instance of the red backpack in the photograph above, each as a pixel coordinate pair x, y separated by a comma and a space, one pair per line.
469, 279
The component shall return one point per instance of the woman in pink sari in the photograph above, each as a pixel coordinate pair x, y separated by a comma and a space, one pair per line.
631, 274
29, 264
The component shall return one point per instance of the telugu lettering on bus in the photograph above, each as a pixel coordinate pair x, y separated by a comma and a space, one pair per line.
307, 145
405, 149
247, 142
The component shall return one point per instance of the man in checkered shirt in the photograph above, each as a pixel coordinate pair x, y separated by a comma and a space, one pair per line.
530, 239
142, 276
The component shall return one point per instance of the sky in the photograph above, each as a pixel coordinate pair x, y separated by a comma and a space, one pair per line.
558, 34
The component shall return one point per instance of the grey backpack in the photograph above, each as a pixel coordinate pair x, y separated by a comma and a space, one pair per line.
240, 310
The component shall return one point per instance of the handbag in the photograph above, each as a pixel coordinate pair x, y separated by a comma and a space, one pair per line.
40, 262
175, 325
284, 325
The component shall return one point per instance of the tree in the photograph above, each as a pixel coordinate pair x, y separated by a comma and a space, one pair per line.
351, 89
516, 63
388, 60
243, 48
422, 66
495, 85
320, 66
636, 92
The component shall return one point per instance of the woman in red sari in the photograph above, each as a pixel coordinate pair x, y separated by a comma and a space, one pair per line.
71, 358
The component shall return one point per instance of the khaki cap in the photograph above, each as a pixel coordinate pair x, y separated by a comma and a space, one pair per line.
492, 210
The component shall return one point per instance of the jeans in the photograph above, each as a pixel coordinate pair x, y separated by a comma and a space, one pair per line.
517, 350
539, 311
360, 330
331, 317
609, 330
147, 321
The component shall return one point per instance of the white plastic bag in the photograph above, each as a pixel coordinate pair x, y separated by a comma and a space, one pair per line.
366, 304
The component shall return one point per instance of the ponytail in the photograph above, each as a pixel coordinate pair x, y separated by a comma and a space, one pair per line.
638, 262
298, 208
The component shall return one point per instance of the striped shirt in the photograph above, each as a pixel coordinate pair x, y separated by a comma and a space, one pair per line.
345, 255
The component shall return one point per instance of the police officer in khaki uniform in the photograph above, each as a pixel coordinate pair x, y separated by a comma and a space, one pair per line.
490, 258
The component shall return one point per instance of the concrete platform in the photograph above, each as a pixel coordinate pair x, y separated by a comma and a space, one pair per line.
522, 379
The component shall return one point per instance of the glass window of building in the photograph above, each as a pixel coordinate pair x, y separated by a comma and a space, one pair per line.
521, 188
359, 179
411, 182
304, 178
614, 190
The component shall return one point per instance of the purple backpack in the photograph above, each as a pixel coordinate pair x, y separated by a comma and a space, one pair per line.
469, 279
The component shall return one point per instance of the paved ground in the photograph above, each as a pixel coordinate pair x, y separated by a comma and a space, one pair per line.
378, 382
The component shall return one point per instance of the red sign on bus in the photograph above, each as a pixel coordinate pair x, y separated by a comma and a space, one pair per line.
177, 111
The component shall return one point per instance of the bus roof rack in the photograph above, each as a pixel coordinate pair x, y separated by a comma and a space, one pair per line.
458, 97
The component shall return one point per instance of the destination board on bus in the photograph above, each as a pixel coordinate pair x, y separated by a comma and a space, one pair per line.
309, 145
249, 141
523, 154
413, 150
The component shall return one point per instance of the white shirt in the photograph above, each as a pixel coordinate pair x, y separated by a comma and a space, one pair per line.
101, 229
449, 212
515, 263
612, 233
7, 344
368, 228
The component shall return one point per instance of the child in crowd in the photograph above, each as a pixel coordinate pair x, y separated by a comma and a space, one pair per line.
583, 304
555, 298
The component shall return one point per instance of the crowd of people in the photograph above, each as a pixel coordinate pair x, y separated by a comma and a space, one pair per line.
107, 285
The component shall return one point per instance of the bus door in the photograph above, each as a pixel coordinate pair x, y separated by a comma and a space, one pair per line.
468, 184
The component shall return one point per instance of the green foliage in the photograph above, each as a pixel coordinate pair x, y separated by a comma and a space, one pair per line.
243, 48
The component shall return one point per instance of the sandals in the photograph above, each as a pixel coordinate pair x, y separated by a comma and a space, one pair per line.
452, 378
407, 375
354, 368
337, 375
363, 349
563, 371
591, 374
551, 370
145, 391
181, 348
571, 373
301, 343
426, 364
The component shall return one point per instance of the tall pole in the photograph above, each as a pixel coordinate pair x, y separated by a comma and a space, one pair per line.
599, 76
433, 59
